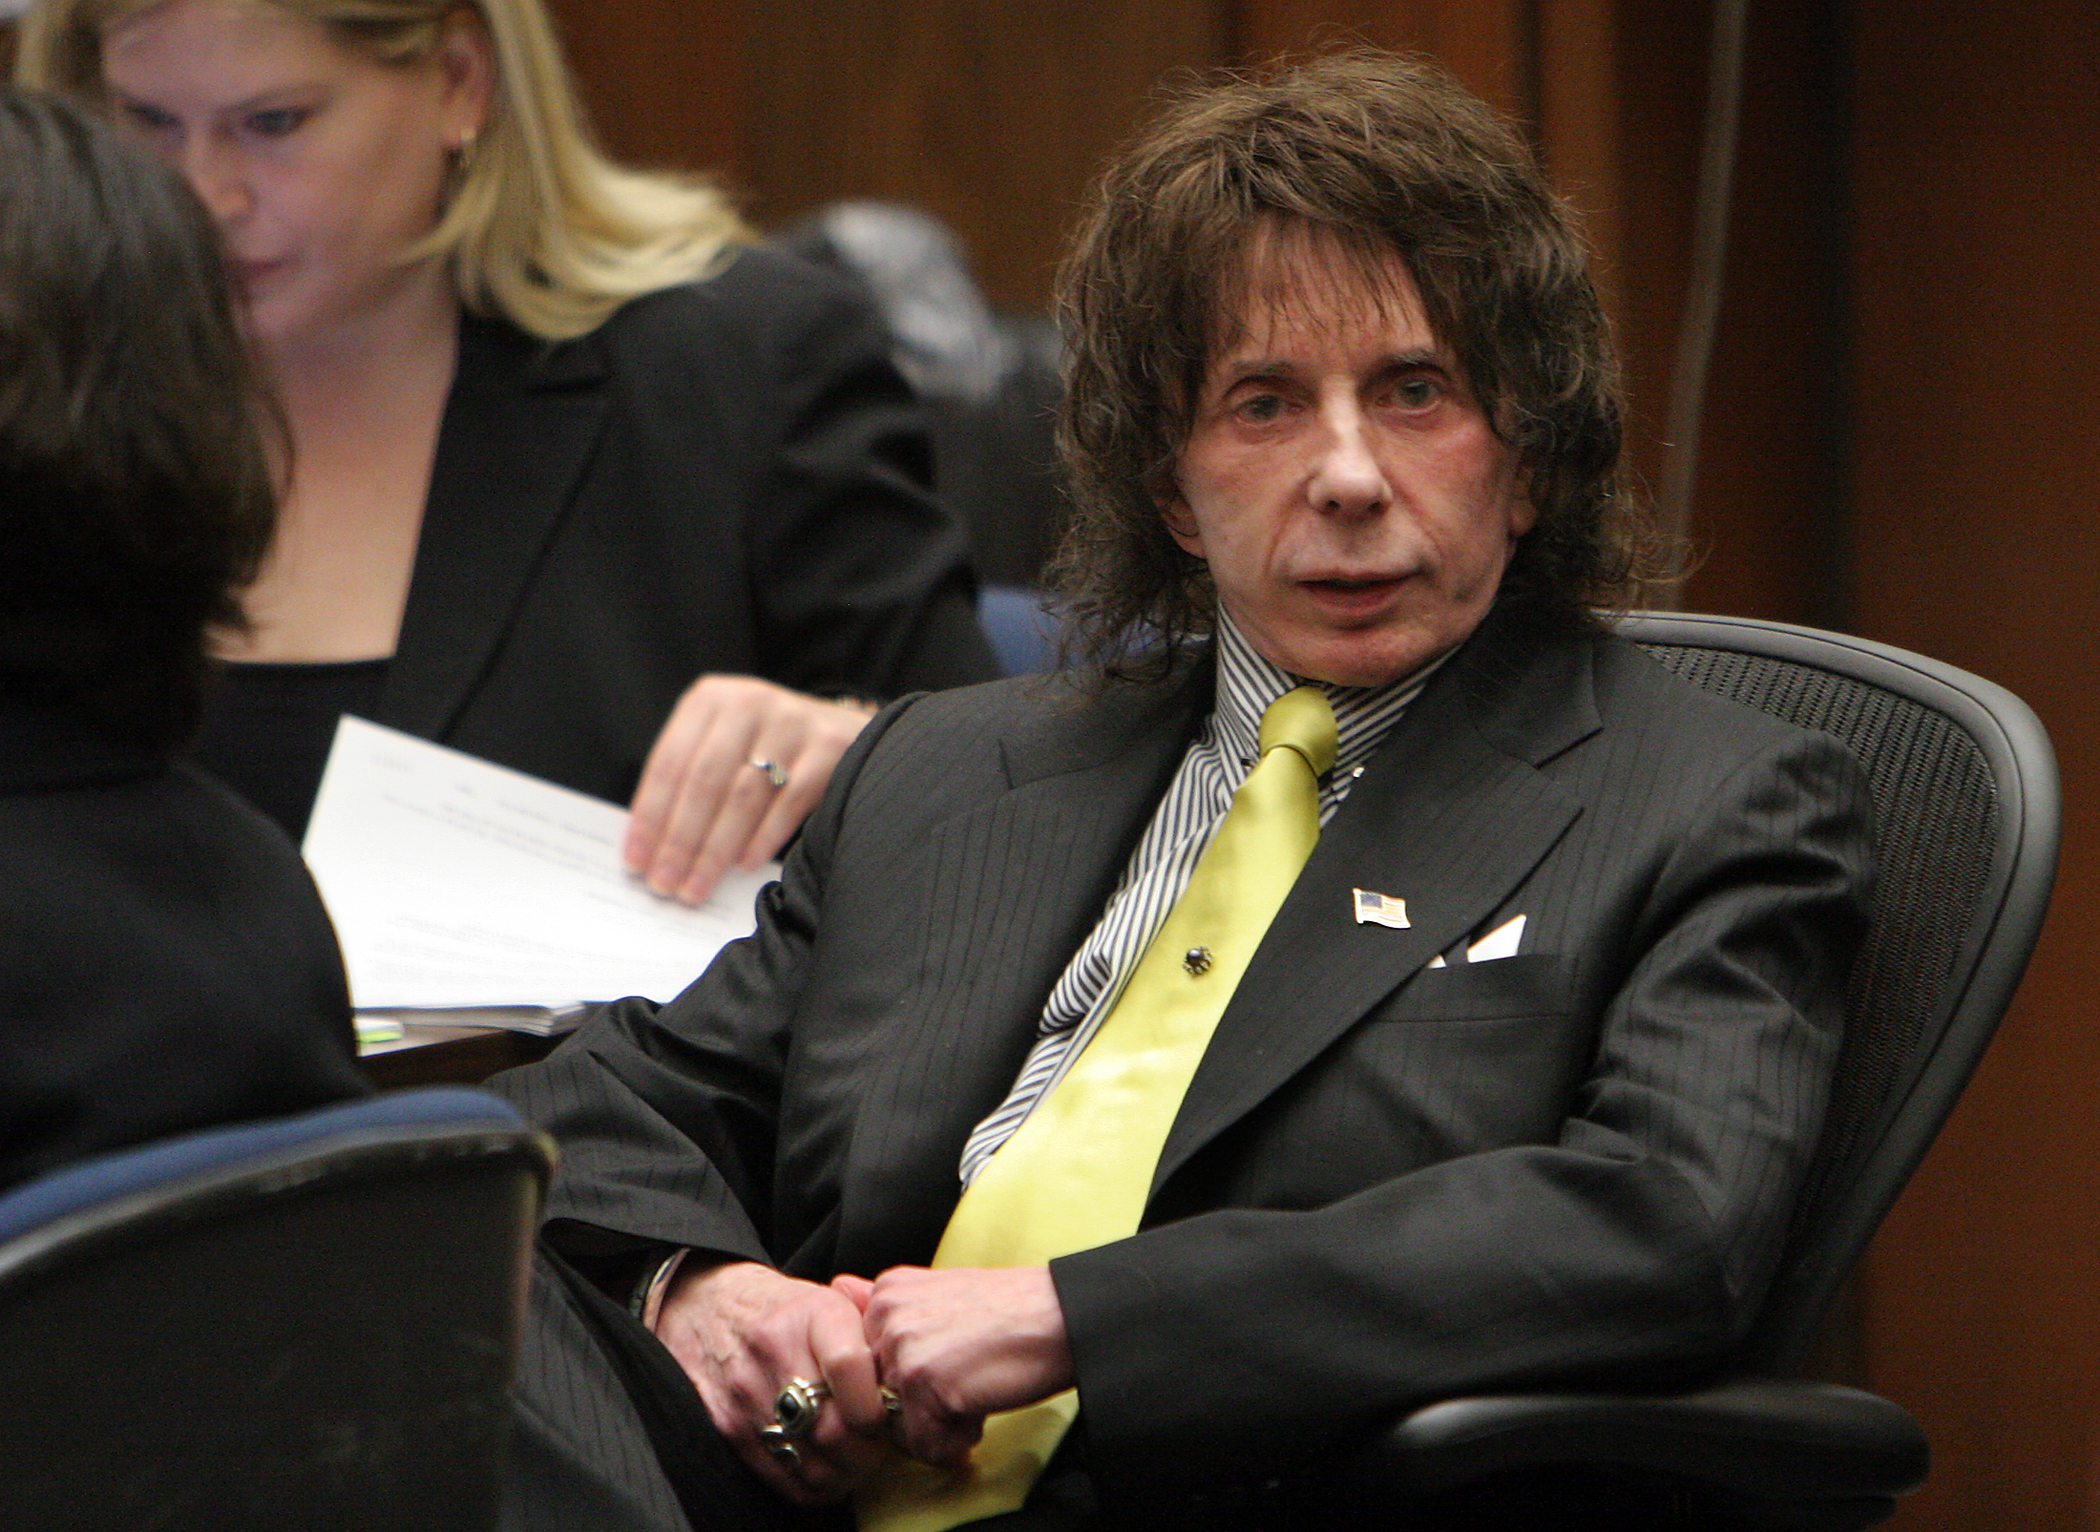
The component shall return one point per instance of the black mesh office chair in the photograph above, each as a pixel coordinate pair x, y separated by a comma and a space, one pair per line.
1965, 791
309, 1322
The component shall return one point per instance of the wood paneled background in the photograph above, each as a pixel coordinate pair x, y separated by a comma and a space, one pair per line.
1902, 439
1976, 479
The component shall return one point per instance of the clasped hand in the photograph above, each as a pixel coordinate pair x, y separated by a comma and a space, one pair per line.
953, 1346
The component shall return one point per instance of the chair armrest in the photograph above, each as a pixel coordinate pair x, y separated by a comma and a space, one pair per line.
1768, 1437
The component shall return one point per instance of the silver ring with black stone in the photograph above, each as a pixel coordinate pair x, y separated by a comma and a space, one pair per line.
795, 1407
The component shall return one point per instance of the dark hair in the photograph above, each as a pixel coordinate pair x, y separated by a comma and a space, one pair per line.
136, 494
1379, 155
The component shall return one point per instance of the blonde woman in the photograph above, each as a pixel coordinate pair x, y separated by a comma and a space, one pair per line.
582, 480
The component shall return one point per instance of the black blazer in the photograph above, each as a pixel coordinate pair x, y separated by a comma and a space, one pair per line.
1388, 1181
165, 963
725, 476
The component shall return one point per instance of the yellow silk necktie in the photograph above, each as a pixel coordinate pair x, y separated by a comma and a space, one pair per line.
1078, 1170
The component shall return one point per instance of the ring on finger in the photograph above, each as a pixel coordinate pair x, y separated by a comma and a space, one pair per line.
775, 1440
795, 1407
771, 771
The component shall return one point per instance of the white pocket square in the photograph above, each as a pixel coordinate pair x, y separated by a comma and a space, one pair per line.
1498, 943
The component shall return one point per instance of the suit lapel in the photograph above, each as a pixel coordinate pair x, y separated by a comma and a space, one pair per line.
519, 427
1024, 875
1450, 816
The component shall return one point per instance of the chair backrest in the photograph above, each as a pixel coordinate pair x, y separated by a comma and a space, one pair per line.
1023, 632
306, 1322
1965, 797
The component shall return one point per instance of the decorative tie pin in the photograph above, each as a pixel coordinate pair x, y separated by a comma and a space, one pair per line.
1196, 962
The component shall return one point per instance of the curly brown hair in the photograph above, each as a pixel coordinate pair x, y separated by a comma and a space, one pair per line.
1378, 155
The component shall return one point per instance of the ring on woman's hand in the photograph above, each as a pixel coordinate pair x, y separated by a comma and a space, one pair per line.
795, 1407
892, 1406
769, 771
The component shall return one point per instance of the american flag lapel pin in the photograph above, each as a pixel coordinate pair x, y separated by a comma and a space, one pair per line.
1376, 909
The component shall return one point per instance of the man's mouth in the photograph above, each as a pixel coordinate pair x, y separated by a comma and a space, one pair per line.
1352, 595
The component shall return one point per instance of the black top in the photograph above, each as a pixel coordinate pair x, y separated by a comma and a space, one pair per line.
267, 730
165, 963
726, 477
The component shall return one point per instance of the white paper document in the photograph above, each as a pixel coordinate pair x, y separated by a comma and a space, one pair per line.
456, 883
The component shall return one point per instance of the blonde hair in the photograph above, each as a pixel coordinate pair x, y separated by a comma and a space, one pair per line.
541, 227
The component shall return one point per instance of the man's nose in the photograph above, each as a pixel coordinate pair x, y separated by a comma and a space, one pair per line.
216, 177
1347, 478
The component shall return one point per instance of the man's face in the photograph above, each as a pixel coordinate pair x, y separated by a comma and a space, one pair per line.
1341, 482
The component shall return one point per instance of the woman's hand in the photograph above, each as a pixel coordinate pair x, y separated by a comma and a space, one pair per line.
742, 1332
708, 798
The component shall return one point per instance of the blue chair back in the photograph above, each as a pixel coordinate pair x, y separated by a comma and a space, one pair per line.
1023, 633
305, 1322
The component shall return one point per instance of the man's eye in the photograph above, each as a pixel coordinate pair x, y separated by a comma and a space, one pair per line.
1416, 393
1259, 407
277, 121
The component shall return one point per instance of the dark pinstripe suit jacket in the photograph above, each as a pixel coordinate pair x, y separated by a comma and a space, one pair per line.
1388, 1181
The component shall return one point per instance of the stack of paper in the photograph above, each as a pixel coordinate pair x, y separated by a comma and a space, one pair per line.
492, 896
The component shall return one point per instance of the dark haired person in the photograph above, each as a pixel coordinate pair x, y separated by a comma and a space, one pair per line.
164, 961
1391, 985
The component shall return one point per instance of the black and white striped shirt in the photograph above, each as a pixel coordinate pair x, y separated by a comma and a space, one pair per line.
1223, 752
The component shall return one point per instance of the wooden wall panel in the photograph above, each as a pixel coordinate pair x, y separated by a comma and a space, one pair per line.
1978, 432
1622, 117
991, 114
1486, 43
1660, 75
661, 79
1577, 124
1769, 511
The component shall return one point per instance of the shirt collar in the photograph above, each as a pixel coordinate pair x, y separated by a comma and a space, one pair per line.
1247, 684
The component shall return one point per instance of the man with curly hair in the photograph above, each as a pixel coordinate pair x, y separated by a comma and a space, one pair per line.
1360, 978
